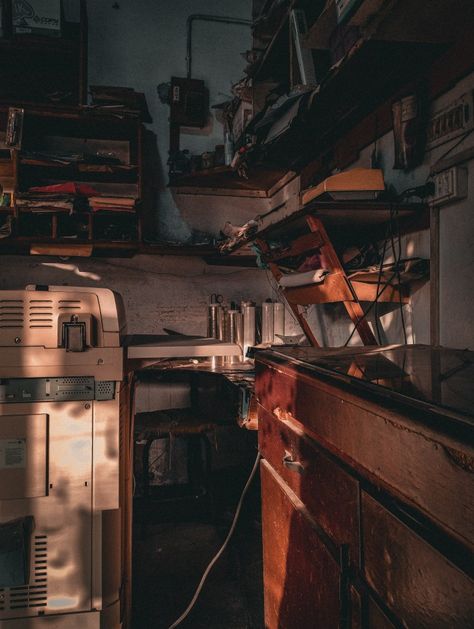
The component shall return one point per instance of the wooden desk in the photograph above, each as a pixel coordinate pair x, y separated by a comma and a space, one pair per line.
367, 487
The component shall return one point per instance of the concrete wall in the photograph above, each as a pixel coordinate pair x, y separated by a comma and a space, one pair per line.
143, 43
158, 291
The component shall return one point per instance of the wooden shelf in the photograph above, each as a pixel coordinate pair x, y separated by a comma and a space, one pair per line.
399, 20
78, 171
36, 44
346, 218
334, 289
272, 55
274, 62
262, 182
21, 245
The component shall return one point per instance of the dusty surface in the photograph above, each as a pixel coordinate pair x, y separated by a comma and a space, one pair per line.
170, 557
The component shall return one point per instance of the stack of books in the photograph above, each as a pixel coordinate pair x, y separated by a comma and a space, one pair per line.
112, 204
42, 202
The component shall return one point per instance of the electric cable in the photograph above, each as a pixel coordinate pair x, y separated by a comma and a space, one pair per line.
450, 150
221, 549
386, 285
379, 280
397, 259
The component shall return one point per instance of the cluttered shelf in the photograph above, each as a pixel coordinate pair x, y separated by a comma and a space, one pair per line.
315, 119
223, 180
78, 171
391, 21
41, 245
347, 218
363, 48
272, 28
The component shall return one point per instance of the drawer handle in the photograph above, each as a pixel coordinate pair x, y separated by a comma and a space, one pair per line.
291, 464
281, 414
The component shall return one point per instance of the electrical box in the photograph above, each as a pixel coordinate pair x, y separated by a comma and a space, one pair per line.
452, 121
189, 101
450, 185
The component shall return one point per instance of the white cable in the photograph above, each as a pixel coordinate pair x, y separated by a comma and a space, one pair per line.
221, 549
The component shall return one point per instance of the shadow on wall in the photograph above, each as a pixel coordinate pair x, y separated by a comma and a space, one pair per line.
333, 328
158, 291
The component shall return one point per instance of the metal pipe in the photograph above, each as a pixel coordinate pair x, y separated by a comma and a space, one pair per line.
206, 18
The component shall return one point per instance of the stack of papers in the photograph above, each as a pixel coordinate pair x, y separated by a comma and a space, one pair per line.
39, 202
112, 204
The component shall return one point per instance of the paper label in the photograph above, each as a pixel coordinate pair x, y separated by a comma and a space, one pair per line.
36, 14
12, 453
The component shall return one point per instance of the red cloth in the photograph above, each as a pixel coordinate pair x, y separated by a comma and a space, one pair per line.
68, 187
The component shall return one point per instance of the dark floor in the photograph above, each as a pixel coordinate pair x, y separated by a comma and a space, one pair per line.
170, 557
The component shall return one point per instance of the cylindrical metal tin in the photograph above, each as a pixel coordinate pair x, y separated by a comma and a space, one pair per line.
267, 323
248, 313
278, 322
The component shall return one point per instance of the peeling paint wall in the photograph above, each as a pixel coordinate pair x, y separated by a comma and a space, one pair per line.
143, 43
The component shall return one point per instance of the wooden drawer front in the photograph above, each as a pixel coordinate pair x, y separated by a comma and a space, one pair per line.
327, 491
420, 586
302, 580
366, 614
418, 465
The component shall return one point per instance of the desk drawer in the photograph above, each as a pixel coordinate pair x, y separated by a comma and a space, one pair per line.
304, 585
329, 493
421, 587
412, 461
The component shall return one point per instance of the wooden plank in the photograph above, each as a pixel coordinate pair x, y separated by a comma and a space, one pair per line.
303, 244
409, 456
224, 192
420, 586
434, 277
82, 251
354, 309
302, 580
329, 493
334, 289
300, 317
368, 292
262, 181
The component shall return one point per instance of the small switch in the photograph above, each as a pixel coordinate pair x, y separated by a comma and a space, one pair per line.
74, 335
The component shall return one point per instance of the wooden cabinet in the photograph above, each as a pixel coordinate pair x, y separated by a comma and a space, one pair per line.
40, 68
304, 583
92, 148
363, 497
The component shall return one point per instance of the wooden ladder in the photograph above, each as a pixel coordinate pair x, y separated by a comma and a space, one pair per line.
335, 288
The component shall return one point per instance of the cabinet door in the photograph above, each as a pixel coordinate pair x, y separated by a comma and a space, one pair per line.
418, 584
329, 493
302, 578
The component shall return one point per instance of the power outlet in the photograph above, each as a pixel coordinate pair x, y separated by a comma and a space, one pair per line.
450, 185
451, 121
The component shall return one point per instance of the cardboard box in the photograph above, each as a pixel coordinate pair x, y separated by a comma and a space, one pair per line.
41, 17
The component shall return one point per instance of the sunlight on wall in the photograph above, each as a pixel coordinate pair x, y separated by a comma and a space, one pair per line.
72, 268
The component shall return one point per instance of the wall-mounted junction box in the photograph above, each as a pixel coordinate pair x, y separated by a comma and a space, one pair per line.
451, 121
450, 185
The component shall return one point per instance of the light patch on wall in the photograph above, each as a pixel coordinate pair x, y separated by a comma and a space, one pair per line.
72, 268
